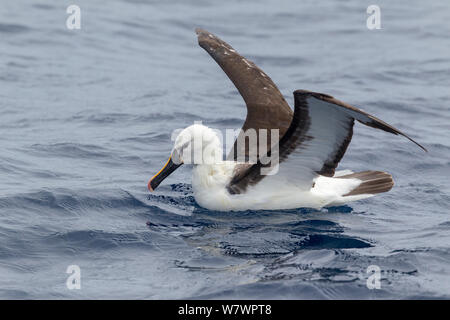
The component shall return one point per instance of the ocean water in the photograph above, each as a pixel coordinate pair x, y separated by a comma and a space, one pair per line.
87, 117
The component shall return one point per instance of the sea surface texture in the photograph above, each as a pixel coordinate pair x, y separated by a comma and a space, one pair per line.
87, 118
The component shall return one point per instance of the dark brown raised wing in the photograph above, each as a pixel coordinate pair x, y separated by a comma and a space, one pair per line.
315, 142
266, 106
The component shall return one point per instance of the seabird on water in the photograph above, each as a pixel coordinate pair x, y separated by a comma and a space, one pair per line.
311, 141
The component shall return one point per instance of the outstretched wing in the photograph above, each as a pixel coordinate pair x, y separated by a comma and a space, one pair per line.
316, 140
266, 107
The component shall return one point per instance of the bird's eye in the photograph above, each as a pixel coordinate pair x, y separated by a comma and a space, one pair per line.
176, 157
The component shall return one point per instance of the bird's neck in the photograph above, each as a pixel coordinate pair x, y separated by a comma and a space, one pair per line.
208, 176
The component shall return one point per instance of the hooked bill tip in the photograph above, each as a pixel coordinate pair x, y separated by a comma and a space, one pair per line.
150, 186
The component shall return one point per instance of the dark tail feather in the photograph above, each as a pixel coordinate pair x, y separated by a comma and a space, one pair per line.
373, 182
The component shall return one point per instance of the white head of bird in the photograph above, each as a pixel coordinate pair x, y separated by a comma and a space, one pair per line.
196, 145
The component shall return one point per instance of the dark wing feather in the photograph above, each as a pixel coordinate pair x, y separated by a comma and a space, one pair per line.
266, 106
361, 116
315, 142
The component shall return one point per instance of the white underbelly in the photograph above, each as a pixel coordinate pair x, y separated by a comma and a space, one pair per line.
272, 194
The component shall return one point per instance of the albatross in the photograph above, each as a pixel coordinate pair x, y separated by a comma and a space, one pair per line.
309, 144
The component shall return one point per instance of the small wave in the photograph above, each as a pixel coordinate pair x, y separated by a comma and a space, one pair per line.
281, 61
80, 240
73, 201
72, 150
13, 28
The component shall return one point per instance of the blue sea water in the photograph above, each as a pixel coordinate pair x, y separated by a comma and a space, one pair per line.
87, 117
